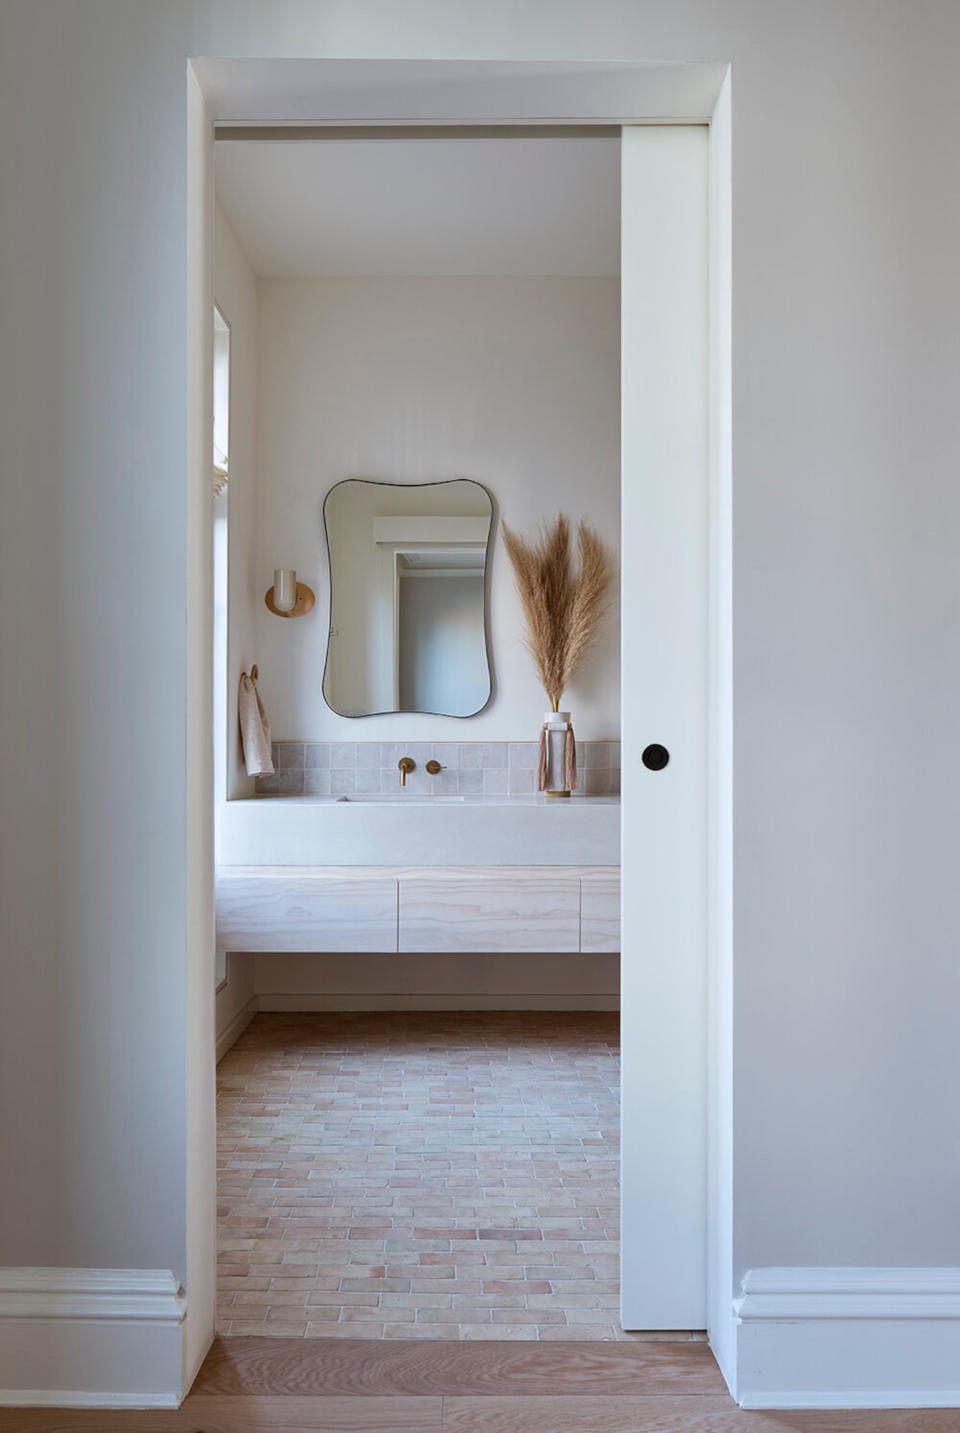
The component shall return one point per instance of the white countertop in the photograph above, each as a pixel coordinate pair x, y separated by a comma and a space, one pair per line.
400, 798
375, 830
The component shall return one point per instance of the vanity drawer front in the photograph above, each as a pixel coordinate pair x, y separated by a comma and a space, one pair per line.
600, 912
306, 913
490, 911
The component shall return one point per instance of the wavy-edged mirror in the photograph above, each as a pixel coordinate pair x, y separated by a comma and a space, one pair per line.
408, 565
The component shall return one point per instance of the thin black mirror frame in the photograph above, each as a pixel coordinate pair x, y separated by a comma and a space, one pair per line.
412, 711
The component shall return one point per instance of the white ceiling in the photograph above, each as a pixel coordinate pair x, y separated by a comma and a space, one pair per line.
434, 206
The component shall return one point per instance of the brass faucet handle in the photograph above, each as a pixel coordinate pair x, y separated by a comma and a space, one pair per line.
405, 765
434, 767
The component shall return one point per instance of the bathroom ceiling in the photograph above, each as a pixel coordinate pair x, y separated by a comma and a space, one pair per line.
425, 206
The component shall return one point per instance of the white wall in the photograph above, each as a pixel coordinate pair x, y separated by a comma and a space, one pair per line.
236, 296
511, 381
93, 716
846, 346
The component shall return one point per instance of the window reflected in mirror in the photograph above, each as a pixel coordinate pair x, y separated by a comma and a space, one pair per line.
407, 597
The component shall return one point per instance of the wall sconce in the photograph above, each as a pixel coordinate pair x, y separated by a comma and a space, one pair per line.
288, 597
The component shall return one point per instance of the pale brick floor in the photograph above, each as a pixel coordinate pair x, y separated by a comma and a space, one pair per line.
445, 1176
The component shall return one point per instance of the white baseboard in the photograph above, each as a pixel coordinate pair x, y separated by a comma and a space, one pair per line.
83, 1398
91, 1338
200, 1352
848, 1338
722, 1335
234, 1028
318, 1002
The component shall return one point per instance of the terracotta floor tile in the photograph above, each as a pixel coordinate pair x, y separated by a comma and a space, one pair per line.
450, 1332
443, 1175
332, 1329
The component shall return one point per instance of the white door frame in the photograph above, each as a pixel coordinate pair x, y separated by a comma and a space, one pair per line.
692, 982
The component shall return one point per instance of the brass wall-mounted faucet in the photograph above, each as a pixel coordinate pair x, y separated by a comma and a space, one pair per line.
405, 765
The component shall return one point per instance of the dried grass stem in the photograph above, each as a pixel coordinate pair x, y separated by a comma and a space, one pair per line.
562, 607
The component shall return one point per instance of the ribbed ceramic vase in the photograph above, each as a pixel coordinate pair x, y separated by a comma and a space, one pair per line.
557, 726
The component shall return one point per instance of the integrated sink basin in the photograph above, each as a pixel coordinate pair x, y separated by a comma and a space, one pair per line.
379, 798
403, 828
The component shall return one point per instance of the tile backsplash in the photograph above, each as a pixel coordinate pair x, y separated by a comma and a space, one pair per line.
470, 768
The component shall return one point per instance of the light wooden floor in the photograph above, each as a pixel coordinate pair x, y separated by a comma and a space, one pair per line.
250, 1385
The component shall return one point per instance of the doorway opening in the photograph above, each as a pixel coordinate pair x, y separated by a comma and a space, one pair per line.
646, 1119
424, 309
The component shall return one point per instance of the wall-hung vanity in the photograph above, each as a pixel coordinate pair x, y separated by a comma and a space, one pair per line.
445, 875
416, 909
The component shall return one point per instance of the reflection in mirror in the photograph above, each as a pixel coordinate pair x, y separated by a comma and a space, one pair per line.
407, 578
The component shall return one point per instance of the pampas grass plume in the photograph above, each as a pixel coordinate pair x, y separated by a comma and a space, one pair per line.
562, 607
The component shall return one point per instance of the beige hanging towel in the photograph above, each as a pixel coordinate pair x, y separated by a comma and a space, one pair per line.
254, 729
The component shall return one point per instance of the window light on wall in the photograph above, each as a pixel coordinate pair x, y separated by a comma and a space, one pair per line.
221, 401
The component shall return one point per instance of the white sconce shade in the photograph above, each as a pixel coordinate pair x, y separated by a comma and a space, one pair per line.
288, 597
284, 588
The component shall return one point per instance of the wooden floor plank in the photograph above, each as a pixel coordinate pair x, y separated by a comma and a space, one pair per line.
672, 1415
211, 1414
364, 1368
241, 1415
342, 1386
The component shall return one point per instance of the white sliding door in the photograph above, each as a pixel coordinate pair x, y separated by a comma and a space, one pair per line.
665, 335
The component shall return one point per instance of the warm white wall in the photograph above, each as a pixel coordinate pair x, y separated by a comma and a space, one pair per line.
93, 714
846, 346
234, 286
511, 381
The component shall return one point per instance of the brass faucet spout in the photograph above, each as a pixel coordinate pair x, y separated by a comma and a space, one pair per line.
405, 765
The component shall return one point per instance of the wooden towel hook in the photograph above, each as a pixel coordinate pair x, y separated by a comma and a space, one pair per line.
254, 672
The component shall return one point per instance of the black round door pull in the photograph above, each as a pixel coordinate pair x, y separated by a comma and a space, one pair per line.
655, 757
